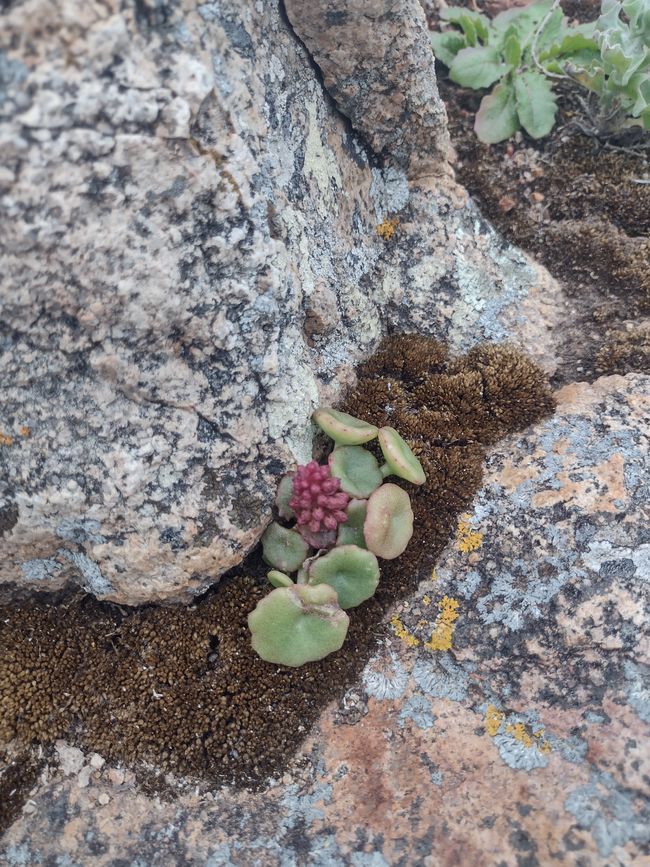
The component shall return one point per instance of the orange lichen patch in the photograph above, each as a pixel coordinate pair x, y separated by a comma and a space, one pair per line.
386, 229
467, 539
25, 431
444, 628
521, 733
402, 632
5, 439
608, 475
493, 719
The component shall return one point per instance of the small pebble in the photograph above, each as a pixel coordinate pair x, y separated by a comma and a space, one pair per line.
116, 776
83, 778
97, 761
103, 799
537, 197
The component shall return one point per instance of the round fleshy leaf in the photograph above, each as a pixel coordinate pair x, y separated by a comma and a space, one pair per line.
285, 549
351, 533
279, 579
282, 497
399, 457
344, 429
389, 521
356, 469
294, 625
352, 571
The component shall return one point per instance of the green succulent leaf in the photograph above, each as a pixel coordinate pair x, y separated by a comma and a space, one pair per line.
344, 429
357, 469
351, 533
279, 579
298, 624
477, 67
285, 549
447, 45
400, 460
352, 571
536, 106
496, 119
389, 521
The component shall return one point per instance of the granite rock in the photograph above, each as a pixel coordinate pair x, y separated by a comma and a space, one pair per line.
504, 719
195, 248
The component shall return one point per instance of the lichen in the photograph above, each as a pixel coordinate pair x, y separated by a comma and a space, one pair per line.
443, 631
386, 229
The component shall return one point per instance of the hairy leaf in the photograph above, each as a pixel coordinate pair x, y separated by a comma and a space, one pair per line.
536, 106
477, 67
447, 45
473, 24
512, 50
496, 119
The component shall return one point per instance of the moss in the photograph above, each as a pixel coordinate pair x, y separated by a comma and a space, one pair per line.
626, 350
18, 776
180, 688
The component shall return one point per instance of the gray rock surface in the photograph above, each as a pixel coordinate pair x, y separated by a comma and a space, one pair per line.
190, 261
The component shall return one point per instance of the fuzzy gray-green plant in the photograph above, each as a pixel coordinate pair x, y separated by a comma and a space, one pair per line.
522, 51
619, 74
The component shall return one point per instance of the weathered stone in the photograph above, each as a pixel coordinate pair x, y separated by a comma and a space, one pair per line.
196, 248
504, 721
376, 60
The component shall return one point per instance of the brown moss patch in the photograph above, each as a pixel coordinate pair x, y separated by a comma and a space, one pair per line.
180, 688
18, 776
576, 205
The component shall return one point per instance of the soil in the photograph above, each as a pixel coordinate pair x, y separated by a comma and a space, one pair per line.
180, 688
580, 206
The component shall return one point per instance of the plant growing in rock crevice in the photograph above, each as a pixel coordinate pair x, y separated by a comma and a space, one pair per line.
522, 51
344, 517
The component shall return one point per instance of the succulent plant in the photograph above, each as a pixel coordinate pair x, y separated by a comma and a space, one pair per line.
357, 470
284, 548
298, 624
400, 460
344, 429
389, 521
352, 571
351, 533
317, 499
343, 511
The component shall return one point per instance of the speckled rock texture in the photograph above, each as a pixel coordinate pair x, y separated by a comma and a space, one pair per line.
195, 248
504, 721
376, 60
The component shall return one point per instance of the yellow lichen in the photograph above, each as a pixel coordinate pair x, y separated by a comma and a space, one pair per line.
520, 733
5, 439
426, 600
493, 719
25, 431
386, 229
444, 628
402, 632
467, 539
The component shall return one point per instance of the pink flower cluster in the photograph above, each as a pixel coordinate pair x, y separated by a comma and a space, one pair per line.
317, 500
